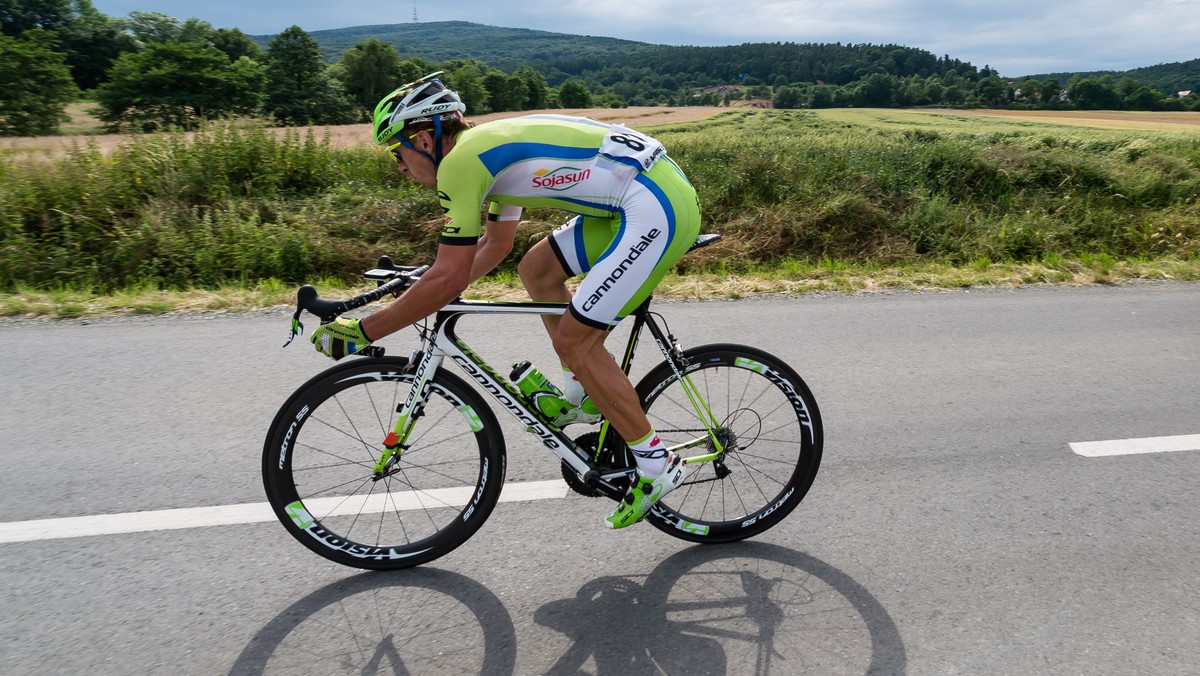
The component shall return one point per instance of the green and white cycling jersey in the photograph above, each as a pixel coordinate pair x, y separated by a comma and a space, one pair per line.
637, 213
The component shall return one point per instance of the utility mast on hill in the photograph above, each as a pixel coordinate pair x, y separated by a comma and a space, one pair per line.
415, 19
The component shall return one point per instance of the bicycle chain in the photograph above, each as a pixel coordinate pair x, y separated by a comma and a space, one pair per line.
581, 488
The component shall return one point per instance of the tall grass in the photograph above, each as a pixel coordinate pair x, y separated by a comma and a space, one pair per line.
788, 188
799, 184
224, 205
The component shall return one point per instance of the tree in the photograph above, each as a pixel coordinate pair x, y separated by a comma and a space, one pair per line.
236, 44
18, 16
537, 93
1144, 98
299, 90
574, 94
505, 92
1127, 86
92, 42
934, 91
1094, 93
90, 39
821, 96
153, 27
877, 90
412, 70
177, 84
35, 84
370, 70
1050, 91
786, 98
1029, 89
195, 30
990, 91
466, 79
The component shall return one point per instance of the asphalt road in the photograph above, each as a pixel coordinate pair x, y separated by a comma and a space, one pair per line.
951, 530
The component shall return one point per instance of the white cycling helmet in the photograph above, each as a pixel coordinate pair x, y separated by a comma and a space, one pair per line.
427, 99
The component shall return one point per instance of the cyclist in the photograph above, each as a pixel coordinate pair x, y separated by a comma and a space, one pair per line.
635, 212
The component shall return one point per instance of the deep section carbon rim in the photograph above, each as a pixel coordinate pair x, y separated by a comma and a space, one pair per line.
768, 424
322, 452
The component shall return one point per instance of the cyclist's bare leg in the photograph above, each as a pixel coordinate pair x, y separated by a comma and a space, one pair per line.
545, 280
581, 347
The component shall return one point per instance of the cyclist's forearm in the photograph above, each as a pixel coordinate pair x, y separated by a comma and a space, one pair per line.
437, 287
422, 300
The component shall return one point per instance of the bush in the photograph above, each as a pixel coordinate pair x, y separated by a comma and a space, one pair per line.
245, 204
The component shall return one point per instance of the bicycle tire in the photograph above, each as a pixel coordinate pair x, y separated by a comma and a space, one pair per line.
321, 449
771, 426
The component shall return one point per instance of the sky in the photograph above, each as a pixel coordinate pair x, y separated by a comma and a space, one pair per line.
1015, 37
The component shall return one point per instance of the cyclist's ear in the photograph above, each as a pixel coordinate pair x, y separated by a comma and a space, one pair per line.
423, 141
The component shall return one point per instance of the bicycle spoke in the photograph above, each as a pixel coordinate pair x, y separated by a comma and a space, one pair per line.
345, 461
436, 491
755, 410
366, 446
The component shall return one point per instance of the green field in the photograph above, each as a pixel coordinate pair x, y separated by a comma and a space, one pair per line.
842, 199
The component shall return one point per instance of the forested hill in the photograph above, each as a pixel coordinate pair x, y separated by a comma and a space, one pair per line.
560, 56
1166, 77
503, 48
608, 61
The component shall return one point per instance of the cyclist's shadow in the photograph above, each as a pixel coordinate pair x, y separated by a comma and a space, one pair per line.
606, 622
423, 620
745, 608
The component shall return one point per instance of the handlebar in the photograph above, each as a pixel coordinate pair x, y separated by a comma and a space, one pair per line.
392, 279
329, 310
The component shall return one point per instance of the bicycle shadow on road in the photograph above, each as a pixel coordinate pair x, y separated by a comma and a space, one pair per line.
424, 621
746, 608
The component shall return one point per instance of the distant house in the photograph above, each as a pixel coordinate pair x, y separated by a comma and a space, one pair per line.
1184, 93
721, 89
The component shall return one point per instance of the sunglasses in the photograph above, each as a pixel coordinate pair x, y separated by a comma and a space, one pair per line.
394, 149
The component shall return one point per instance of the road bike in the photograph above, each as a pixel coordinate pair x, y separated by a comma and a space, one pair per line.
385, 462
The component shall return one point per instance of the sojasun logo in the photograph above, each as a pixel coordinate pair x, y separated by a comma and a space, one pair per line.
562, 178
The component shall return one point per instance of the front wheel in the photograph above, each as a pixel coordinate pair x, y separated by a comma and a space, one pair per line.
769, 434
322, 448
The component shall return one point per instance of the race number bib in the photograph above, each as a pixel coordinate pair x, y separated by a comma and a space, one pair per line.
632, 148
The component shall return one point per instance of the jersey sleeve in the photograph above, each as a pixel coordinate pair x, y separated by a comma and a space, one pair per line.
503, 212
462, 186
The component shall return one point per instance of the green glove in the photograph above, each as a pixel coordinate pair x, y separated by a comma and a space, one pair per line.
340, 338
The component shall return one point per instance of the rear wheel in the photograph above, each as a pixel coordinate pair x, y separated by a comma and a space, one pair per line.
768, 425
321, 451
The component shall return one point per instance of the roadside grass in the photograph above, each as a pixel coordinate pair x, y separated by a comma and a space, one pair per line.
806, 201
787, 277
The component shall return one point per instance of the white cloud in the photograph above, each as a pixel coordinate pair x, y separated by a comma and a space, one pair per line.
1017, 37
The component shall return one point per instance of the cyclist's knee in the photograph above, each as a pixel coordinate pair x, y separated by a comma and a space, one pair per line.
576, 343
539, 269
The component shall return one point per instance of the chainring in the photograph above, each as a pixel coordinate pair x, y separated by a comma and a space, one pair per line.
615, 454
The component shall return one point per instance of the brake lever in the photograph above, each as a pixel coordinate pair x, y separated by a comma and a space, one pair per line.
297, 327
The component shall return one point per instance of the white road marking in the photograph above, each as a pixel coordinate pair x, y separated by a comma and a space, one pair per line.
1099, 449
226, 515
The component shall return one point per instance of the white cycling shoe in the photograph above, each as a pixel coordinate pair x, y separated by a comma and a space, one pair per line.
645, 492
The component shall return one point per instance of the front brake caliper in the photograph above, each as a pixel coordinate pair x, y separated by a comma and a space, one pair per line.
390, 456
